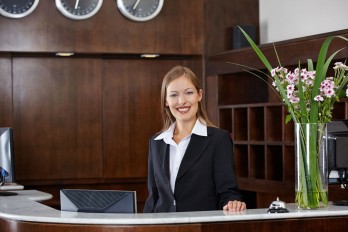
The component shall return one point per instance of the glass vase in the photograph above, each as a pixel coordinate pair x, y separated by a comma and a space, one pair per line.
311, 174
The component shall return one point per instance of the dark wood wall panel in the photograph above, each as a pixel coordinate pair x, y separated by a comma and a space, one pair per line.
212, 99
222, 16
5, 92
177, 30
85, 118
57, 118
131, 111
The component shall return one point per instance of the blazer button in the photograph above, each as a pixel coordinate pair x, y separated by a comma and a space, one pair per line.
174, 203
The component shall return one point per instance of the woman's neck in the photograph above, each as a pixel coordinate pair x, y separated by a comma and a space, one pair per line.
183, 129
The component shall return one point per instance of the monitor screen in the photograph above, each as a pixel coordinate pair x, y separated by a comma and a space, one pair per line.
98, 201
6, 155
337, 146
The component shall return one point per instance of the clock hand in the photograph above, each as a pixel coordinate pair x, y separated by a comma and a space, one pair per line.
77, 4
136, 4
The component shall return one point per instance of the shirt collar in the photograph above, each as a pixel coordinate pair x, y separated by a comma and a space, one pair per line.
168, 134
198, 129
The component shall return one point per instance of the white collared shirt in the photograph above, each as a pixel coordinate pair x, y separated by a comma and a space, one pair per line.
177, 151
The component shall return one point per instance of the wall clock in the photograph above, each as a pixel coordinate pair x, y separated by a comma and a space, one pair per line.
17, 8
79, 9
140, 10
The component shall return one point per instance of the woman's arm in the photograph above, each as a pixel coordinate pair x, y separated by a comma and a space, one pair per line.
224, 174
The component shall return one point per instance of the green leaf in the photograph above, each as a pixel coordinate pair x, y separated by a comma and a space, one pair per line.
257, 50
310, 65
340, 91
321, 70
269, 68
320, 74
287, 118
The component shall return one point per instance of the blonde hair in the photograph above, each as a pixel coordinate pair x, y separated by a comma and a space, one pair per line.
174, 73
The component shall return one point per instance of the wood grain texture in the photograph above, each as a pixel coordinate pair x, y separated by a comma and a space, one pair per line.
131, 114
57, 118
5, 92
290, 54
85, 118
178, 29
222, 16
324, 224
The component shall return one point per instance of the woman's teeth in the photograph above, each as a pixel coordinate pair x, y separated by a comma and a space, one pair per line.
183, 109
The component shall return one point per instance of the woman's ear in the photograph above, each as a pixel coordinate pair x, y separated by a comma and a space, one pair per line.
200, 93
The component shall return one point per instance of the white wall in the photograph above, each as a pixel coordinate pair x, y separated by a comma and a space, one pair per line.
289, 19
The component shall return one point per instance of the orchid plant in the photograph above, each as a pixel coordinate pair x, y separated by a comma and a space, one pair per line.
309, 96
328, 94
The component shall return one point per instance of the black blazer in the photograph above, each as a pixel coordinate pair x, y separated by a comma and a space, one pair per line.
206, 178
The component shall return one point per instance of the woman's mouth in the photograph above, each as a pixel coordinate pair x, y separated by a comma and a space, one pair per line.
183, 110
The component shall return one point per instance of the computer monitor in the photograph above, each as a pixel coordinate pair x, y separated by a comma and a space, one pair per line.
337, 144
98, 201
6, 155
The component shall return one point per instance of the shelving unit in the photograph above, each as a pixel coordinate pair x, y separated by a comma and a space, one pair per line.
263, 144
247, 107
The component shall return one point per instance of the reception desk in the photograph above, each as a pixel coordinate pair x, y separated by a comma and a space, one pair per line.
24, 212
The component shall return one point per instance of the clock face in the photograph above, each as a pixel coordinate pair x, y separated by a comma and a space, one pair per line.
17, 8
140, 10
79, 9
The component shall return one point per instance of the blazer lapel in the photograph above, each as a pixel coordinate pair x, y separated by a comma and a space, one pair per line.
194, 150
166, 163
163, 157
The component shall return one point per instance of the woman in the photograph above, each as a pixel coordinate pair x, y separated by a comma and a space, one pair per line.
191, 166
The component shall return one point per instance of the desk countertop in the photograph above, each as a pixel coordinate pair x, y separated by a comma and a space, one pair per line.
26, 207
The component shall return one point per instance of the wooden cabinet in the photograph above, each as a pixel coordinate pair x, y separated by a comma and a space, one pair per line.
247, 107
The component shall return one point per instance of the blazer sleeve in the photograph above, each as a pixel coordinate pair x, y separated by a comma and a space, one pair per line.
152, 189
224, 171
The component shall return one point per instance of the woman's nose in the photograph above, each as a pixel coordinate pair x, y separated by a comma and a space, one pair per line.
182, 99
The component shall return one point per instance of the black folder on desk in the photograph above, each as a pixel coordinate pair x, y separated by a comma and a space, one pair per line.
98, 201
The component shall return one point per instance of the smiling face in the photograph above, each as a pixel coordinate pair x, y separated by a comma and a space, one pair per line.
182, 98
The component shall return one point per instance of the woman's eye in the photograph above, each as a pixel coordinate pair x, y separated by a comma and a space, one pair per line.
173, 95
189, 92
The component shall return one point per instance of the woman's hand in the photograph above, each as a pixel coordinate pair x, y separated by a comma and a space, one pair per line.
235, 206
